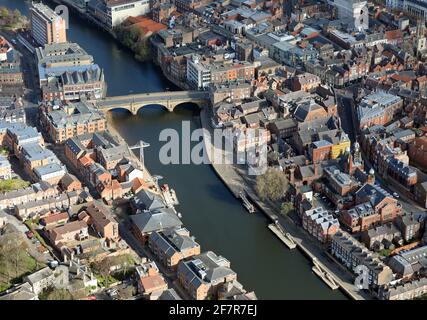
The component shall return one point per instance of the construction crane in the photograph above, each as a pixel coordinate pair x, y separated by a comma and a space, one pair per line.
141, 145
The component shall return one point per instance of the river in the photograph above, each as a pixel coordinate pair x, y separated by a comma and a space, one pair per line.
211, 213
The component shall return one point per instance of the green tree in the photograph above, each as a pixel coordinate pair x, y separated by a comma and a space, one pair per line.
286, 208
271, 185
4, 13
103, 268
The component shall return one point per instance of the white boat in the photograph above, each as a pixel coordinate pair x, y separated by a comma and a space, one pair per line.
169, 196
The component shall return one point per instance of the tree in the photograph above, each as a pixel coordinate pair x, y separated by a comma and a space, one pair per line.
286, 208
134, 38
4, 13
17, 14
103, 267
271, 185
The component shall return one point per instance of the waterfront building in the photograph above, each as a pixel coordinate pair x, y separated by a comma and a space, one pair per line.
47, 26
67, 72
198, 73
231, 92
320, 224
111, 13
352, 253
69, 120
145, 223
10, 65
203, 275
173, 245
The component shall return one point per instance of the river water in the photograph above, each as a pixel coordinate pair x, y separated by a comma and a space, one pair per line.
211, 213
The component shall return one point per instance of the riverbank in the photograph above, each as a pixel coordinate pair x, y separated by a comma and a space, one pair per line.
233, 177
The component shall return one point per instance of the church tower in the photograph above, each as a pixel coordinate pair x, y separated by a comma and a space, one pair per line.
420, 39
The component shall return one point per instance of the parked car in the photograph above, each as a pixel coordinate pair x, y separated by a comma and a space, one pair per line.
29, 234
112, 293
395, 195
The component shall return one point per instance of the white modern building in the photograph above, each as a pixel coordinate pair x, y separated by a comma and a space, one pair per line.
198, 73
353, 9
111, 13
417, 8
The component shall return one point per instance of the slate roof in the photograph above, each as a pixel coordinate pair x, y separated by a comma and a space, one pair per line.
156, 220
146, 200
206, 268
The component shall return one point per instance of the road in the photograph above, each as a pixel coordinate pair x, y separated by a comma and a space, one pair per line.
156, 97
345, 106
32, 246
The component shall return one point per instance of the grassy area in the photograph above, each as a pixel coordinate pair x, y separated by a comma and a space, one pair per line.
55, 294
13, 184
14, 266
104, 281
385, 252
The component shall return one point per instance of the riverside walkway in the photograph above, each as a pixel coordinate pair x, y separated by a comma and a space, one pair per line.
235, 178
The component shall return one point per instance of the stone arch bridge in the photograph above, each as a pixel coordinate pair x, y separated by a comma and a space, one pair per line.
169, 99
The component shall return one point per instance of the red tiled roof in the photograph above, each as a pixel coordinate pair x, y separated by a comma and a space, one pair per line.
393, 34
55, 217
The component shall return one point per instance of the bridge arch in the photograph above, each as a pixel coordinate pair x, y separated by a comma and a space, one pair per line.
119, 110
151, 106
193, 105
